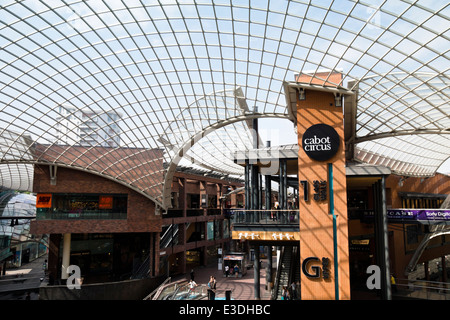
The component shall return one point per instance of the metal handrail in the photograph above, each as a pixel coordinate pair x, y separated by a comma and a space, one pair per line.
194, 293
262, 216
153, 293
274, 294
423, 289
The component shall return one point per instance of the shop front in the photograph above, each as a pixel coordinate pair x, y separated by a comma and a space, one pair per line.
235, 264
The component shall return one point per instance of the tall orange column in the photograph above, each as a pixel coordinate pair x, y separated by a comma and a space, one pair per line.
323, 221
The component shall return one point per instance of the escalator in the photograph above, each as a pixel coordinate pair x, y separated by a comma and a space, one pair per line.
178, 290
288, 270
169, 235
168, 238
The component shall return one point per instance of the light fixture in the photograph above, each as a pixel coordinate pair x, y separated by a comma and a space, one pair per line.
338, 99
301, 94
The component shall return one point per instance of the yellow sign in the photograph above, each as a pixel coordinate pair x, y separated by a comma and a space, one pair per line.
265, 235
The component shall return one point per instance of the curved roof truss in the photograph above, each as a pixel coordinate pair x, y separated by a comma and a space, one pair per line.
118, 88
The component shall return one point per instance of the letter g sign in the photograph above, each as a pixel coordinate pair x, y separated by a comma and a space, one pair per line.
315, 270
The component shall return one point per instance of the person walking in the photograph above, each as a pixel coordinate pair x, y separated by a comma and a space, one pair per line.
285, 293
212, 288
294, 290
192, 285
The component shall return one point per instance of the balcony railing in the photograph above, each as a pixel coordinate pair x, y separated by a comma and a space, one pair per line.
264, 216
194, 212
178, 213
421, 289
85, 215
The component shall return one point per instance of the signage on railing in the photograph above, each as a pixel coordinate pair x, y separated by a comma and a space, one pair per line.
412, 214
419, 214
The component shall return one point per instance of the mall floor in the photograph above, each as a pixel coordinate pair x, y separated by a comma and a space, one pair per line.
241, 288
19, 282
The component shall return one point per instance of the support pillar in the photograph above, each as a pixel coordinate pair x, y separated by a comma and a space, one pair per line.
183, 195
154, 254
268, 194
255, 192
256, 274
444, 269
247, 185
283, 190
323, 215
65, 256
260, 191
381, 242
269, 267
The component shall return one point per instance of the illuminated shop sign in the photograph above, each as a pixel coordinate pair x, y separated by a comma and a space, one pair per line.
320, 142
43, 200
265, 235
105, 202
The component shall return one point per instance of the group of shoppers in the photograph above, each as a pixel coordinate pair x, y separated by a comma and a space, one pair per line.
212, 283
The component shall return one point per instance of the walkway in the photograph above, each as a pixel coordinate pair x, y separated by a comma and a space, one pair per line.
15, 284
13, 288
242, 288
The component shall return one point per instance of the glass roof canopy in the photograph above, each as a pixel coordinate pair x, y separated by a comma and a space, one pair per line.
166, 75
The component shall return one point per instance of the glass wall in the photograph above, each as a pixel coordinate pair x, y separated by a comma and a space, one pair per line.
17, 245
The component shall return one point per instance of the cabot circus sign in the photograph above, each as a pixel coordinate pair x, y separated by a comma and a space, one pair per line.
320, 142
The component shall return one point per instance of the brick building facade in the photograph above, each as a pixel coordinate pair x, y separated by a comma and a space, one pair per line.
110, 245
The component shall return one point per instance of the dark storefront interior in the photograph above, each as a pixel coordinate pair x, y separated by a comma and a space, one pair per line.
109, 257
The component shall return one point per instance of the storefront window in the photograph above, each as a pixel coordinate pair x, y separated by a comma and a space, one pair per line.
81, 206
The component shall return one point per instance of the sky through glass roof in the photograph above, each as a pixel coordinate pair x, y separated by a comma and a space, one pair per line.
155, 75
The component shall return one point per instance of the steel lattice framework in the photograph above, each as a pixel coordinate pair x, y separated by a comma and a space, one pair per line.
104, 86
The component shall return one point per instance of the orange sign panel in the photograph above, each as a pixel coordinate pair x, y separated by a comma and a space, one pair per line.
43, 200
105, 202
